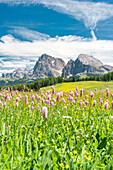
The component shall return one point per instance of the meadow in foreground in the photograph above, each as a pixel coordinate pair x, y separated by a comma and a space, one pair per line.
56, 130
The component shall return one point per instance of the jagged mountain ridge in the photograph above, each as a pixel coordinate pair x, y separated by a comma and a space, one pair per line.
48, 66
19, 73
85, 65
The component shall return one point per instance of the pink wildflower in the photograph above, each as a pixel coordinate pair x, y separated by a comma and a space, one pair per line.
58, 112
47, 102
81, 92
49, 97
87, 102
71, 93
94, 102
24, 87
6, 97
58, 96
33, 97
16, 104
9, 127
42, 100
20, 96
73, 101
39, 97
8, 89
107, 89
36, 96
44, 112
26, 100
53, 89
91, 94
106, 105
17, 99
63, 100
107, 93
95, 89
61, 94
37, 108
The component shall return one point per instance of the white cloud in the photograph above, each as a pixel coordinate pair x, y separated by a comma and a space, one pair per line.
66, 47
16, 64
88, 12
37, 36
29, 34
93, 35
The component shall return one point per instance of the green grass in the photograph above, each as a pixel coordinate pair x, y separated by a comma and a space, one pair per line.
86, 85
79, 138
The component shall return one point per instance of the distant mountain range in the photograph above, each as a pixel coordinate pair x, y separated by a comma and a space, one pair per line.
85, 65
48, 66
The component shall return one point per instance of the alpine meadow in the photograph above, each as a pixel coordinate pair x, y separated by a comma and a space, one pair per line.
56, 130
56, 84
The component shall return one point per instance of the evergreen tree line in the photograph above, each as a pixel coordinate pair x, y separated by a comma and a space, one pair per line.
55, 80
36, 85
105, 77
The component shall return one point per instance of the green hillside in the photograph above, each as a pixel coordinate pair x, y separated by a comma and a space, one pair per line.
86, 85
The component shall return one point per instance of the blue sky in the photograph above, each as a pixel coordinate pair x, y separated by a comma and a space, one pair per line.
61, 28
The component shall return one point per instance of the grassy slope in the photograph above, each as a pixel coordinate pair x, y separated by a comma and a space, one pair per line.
86, 85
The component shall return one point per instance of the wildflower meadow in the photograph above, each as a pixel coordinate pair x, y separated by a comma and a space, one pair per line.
52, 130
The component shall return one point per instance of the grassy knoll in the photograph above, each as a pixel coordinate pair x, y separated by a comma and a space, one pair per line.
86, 85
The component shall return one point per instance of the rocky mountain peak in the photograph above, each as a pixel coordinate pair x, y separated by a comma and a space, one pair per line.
45, 57
89, 60
48, 66
19, 73
85, 65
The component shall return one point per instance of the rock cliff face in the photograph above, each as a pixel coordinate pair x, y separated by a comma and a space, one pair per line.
108, 68
68, 70
85, 65
48, 66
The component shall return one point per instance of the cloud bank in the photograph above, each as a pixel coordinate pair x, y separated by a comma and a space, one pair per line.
16, 53
88, 12
29, 34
